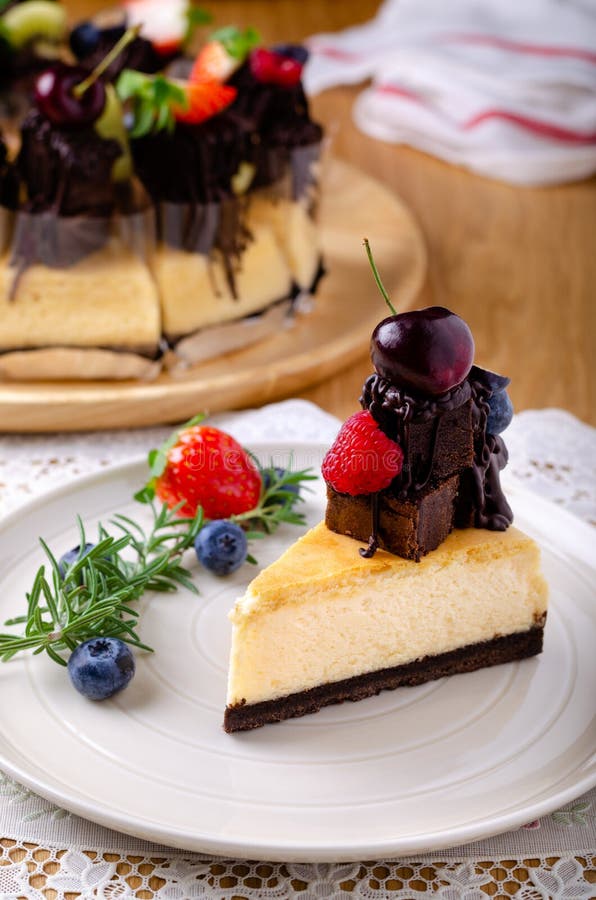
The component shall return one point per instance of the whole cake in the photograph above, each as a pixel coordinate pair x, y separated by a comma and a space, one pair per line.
179, 204
443, 584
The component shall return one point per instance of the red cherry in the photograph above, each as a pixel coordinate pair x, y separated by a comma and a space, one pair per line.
56, 100
269, 67
427, 350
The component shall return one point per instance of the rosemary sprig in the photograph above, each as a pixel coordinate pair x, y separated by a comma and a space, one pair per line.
277, 503
93, 596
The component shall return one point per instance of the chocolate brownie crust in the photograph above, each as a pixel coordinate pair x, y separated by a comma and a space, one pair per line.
507, 648
409, 528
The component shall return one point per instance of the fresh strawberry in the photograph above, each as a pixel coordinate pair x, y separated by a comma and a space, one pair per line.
207, 467
165, 24
363, 459
213, 63
204, 99
168, 46
270, 67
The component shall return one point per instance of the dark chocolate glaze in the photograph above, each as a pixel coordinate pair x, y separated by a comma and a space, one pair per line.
71, 200
188, 175
395, 409
189, 172
481, 490
66, 171
140, 55
481, 502
280, 121
373, 541
9, 181
195, 163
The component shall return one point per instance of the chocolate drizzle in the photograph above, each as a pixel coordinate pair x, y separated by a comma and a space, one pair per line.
481, 502
373, 542
396, 409
481, 490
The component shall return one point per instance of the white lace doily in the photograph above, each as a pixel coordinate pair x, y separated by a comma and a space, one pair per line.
45, 852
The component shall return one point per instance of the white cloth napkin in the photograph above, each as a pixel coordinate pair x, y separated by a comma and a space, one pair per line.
506, 88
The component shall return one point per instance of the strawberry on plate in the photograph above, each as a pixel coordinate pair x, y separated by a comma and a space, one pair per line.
207, 467
203, 100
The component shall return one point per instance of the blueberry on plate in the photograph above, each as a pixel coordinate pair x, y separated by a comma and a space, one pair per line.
69, 558
221, 546
101, 667
500, 412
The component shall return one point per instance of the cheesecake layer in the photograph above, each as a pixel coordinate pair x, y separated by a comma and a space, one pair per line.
107, 299
467, 659
295, 232
195, 290
322, 613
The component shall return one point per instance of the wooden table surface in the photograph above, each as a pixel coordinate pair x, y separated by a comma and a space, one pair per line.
519, 264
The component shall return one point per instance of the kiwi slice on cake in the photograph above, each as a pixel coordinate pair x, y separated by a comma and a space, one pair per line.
34, 19
111, 125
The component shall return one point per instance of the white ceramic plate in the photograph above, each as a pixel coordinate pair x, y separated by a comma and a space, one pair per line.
410, 770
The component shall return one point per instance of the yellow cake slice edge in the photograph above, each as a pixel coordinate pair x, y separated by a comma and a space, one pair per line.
322, 616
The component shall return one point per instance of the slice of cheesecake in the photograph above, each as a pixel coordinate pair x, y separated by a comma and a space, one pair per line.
322, 624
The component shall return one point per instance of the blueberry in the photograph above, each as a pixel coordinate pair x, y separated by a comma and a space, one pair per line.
292, 51
221, 546
101, 667
70, 558
84, 39
290, 488
500, 412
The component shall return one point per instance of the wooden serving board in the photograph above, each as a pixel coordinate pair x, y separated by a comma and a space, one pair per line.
320, 344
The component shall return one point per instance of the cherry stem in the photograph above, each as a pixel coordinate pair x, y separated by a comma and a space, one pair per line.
126, 39
375, 272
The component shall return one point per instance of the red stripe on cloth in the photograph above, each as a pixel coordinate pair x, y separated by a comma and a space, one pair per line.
536, 126
399, 92
522, 47
336, 53
544, 129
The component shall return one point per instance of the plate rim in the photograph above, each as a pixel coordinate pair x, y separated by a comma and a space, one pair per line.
286, 851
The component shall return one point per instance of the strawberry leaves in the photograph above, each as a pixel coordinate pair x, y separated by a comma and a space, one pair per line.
236, 42
154, 99
157, 460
